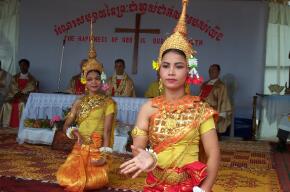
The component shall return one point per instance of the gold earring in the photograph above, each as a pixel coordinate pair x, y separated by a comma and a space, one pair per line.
160, 85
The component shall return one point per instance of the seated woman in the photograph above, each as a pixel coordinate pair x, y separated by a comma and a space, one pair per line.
86, 168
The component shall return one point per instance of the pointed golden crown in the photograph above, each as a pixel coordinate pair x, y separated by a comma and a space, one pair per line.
178, 40
93, 63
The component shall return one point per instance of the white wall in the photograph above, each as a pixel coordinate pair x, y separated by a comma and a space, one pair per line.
239, 52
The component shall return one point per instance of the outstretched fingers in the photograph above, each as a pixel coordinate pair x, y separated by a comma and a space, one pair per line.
127, 163
130, 169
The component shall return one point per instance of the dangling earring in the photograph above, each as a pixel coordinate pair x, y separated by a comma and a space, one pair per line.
86, 90
160, 86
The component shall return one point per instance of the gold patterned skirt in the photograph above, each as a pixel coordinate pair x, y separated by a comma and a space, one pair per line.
79, 174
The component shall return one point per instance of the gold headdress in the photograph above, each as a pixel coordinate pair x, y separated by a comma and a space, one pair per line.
92, 63
179, 40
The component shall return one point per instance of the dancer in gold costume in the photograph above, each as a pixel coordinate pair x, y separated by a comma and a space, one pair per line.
175, 125
86, 167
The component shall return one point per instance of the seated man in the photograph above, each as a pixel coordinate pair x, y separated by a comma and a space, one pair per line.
76, 87
121, 85
5, 79
21, 85
214, 92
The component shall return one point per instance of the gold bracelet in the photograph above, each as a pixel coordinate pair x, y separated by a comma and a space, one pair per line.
138, 132
154, 156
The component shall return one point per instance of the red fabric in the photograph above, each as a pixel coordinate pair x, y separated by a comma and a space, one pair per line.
196, 170
14, 119
206, 89
22, 83
118, 83
79, 87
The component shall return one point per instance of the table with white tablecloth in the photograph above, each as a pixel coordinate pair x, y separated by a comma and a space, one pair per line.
275, 110
45, 105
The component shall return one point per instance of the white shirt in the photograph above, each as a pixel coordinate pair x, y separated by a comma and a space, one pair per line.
23, 76
211, 82
120, 77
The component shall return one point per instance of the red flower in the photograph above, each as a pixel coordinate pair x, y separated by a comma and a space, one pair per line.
194, 80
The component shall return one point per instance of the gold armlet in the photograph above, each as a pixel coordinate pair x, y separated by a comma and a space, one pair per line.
138, 132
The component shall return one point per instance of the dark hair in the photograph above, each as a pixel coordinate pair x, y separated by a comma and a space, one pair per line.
217, 66
94, 70
120, 61
24, 61
179, 52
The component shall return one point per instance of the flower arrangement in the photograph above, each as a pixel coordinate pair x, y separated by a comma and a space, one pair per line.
54, 122
37, 123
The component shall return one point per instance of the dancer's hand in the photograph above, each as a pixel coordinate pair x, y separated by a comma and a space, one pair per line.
141, 162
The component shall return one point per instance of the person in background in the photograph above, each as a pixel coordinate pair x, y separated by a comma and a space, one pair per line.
121, 85
21, 85
214, 92
76, 87
5, 79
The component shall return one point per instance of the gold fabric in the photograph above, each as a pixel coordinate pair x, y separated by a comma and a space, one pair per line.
170, 176
219, 100
175, 129
153, 90
91, 114
30, 86
78, 173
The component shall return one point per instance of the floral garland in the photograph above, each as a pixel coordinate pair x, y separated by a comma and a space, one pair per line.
119, 90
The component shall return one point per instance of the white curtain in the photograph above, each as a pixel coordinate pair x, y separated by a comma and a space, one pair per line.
9, 33
278, 46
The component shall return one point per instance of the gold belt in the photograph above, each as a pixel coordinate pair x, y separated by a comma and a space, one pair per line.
170, 176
